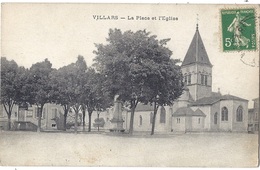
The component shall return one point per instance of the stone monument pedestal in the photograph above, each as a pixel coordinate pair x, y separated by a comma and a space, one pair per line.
117, 121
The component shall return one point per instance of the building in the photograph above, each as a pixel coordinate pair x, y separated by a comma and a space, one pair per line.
27, 119
198, 109
253, 117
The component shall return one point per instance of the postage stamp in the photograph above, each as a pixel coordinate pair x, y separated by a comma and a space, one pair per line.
238, 29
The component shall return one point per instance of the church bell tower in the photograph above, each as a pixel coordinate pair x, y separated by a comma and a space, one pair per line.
197, 69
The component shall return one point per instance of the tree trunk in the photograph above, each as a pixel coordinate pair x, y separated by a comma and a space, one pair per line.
9, 121
76, 122
131, 128
154, 118
9, 113
89, 120
65, 120
98, 121
66, 110
84, 115
40, 118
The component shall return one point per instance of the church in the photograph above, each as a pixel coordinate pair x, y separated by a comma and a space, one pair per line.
198, 108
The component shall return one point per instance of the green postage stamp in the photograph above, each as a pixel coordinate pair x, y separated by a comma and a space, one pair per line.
238, 29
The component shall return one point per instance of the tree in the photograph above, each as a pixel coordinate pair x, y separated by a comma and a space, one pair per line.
164, 84
93, 96
62, 89
39, 86
123, 62
9, 90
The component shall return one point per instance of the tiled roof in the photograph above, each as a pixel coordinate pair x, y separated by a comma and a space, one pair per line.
187, 111
198, 112
183, 111
215, 98
142, 107
196, 52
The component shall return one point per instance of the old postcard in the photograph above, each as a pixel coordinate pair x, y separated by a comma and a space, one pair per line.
129, 85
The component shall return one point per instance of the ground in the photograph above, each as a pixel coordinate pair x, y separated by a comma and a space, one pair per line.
68, 149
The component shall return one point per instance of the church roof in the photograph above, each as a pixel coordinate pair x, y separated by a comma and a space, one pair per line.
183, 111
198, 112
215, 98
143, 107
187, 111
196, 52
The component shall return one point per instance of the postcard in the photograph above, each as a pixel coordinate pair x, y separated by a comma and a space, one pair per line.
129, 85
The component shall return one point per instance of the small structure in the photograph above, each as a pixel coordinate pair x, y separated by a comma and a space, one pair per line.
117, 120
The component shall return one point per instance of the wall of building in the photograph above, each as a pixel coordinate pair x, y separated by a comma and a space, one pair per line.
198, 123
215, 108
226, 125
236, 125
197, 90
179, 125
206, 110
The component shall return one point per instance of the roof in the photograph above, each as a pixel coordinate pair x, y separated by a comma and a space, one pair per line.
196, 52
215, 98
198, 112
143, 107
183, 111
187, 111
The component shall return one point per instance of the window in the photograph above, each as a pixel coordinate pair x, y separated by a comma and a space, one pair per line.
199, 121
189, 79
29, 113
178, 120
224, 114
15, 114
151, 117
240, 114
162, 115
202, 79
216, 118
185, 79
140, 120
256, 116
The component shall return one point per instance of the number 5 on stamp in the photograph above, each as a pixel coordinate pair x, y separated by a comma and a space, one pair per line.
238, 29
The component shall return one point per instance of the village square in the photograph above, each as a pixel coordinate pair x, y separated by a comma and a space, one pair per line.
146, 98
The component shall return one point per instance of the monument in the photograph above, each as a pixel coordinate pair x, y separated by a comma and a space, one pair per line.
117, 120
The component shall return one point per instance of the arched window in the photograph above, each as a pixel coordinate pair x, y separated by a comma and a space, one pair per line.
202, 79
224, 114
185, 78
216, 118
162, 115
140, 120
240, 114
189, 79
151, 117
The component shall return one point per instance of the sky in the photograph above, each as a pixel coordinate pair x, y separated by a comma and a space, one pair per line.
61, 32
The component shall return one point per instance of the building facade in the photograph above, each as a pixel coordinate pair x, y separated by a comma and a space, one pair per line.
27, 119
253, 117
